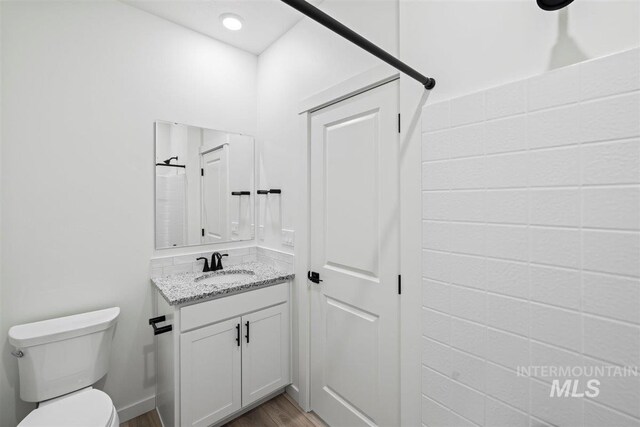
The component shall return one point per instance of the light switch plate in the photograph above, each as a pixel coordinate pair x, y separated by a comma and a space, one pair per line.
288, 237
261, 232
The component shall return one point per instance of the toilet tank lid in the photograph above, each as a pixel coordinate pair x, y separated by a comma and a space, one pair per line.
62, 328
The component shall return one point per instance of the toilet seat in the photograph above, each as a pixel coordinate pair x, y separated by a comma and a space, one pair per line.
86, 408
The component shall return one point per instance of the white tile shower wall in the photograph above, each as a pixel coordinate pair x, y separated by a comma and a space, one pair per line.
188, 263
531, 247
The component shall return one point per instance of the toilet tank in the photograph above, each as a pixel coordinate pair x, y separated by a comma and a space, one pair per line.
65, 354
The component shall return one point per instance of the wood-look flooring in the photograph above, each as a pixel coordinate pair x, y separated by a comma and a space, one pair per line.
280, 411
277, 412
150, 419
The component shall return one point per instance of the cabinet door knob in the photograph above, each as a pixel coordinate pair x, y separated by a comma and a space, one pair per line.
238, 334
247, 336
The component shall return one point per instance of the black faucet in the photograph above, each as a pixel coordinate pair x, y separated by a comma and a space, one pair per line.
216, 261
206, 268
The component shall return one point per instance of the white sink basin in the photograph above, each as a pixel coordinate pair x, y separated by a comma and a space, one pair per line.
224, 278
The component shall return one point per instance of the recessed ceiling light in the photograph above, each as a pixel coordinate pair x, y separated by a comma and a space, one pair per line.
231, 21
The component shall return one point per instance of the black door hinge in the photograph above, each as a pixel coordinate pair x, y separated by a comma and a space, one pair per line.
399, 284
201, 172
203, 232
398, 122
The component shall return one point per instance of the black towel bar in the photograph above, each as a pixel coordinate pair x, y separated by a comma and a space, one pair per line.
162, 329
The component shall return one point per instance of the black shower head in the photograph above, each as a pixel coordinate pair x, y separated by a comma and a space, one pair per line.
168, 161
553, 4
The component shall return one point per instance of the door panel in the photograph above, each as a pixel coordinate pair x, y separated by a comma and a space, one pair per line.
351, 199
351, 352
210, 375
265, 354
354, 246
215, 195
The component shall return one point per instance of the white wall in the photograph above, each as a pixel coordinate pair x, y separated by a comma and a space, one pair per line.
83, 83
470, 45
531, 242
467, 46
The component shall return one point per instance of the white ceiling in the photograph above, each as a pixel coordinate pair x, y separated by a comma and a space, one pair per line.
264, 20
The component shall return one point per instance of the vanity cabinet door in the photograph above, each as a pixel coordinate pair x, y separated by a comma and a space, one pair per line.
265, 352
210, 377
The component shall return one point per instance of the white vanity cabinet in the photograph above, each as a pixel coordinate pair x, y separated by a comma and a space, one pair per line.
265, 352
210, 374
222, 355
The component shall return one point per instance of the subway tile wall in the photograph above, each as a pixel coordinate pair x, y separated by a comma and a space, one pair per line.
531, 247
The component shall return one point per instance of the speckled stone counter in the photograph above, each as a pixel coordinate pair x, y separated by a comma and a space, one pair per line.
183, 288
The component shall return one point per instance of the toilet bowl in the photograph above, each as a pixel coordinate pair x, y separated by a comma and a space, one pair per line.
85, 408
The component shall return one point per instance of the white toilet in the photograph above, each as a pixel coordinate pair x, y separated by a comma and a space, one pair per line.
58, 361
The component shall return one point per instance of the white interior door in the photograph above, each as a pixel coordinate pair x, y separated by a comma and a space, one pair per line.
210, 376
355, 372
265, 352
215, 195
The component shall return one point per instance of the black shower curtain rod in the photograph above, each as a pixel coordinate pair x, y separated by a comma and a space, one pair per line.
346, 32
170, 166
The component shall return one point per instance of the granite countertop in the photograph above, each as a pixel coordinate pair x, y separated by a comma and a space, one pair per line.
183, 288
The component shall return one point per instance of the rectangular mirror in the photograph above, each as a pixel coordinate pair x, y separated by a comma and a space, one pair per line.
204, 186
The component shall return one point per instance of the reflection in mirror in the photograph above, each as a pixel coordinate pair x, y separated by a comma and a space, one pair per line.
204, 186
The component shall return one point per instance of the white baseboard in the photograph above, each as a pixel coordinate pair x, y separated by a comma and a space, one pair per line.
294, 392
160, 418
136, 409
